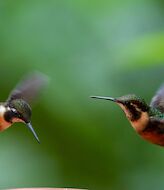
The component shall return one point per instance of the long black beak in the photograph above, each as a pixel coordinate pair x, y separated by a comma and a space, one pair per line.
32, 130
104, 98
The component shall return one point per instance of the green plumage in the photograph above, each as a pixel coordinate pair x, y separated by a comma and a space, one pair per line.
23, 109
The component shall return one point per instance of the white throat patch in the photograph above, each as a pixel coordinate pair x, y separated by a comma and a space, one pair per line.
2, 110
3, 124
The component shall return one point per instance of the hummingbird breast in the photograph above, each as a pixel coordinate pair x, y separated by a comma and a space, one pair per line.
4, 124
154, 132
153, 137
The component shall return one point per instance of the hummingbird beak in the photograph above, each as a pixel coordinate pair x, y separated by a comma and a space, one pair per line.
32, 130
104, 98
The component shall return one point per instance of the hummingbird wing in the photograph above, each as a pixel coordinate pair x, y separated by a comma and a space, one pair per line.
157, 124
29, 87
158, 100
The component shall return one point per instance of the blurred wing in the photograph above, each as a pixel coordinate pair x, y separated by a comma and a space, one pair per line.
158, 99
29, 87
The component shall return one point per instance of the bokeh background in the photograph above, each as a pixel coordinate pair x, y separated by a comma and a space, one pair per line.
108, 48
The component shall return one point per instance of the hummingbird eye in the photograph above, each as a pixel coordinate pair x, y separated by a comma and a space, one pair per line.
127, 103
15, 113
133, 104
14, 110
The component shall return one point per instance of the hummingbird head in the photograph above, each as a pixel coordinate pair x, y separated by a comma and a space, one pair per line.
135, 109
133, 106
19, 111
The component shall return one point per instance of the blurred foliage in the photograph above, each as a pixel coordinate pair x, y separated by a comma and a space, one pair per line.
86, 48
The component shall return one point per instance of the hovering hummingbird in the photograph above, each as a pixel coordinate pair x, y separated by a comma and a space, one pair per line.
147, 120
17, 108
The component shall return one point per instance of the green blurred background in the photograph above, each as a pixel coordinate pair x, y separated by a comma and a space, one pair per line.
86, 48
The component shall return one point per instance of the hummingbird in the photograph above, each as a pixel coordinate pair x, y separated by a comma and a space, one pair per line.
147, 120
16, 108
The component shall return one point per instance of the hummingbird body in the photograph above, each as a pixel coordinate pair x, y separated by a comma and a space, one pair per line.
17, 108
147, 120
153, 132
